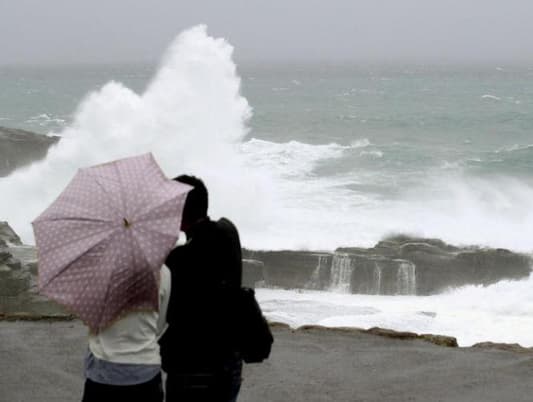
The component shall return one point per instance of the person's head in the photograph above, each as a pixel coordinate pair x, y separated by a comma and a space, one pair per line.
196, 203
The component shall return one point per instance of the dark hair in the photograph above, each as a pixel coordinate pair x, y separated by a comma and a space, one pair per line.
197, 200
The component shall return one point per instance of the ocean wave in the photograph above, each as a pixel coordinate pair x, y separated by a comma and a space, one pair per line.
515, 147
289, 195
446, 165
191, 116
514, 160
360, 143
501, 312
293, 158
489, 96
45, 120
374, 153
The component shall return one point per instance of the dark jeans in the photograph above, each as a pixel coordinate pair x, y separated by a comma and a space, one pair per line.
151, 391
222, 385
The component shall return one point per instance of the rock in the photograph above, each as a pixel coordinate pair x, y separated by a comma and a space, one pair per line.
19, 148
275, 325
439, 340
252, 272
398, 265
389, 333
13, 282
286, 269
320, 328
510, 347
8, 235
18, 278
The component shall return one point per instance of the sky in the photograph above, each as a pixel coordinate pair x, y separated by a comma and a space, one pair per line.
420, 31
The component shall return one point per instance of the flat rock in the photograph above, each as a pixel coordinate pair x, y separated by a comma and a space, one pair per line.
397, 265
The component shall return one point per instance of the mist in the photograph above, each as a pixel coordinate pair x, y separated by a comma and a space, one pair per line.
407, 31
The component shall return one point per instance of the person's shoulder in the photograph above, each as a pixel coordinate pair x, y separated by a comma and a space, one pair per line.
225, 224
227, 228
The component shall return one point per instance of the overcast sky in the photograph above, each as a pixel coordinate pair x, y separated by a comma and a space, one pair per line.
433, 31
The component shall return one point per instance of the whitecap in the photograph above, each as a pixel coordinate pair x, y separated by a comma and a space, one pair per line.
374, 153
489, 96
502, 312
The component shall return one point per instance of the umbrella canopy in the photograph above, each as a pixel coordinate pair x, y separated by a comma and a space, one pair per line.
102, 242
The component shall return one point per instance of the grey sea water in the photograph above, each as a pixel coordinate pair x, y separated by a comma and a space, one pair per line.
412, 148
334, 156
416, 117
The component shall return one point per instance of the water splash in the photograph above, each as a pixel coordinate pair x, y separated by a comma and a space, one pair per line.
376, 285
341, 273
191, 116
315, 280
406, 278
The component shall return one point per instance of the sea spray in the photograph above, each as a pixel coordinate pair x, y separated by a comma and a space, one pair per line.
302, 179
191, 117
502, 312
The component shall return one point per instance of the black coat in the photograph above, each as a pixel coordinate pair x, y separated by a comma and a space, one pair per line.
206, 271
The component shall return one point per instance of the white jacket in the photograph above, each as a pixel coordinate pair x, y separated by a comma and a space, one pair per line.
133, 339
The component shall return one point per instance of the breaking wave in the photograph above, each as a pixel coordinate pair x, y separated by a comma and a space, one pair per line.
191, 116
289, 195
497, 313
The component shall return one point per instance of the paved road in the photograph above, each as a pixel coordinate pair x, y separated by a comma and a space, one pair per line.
41, 361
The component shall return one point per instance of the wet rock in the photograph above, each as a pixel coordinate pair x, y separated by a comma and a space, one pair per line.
18, 279
19, 148
440, 340
398, 265
286, 269
252, 272
509, 347
389, 333
8, 235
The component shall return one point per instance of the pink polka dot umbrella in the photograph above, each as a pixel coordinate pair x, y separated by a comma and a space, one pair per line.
102, 242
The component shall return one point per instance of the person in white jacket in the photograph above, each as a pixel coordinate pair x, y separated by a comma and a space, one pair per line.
123, 361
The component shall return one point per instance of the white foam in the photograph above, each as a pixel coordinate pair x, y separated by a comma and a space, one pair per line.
191, 116
489, 96
45, 120
493, 211
376, 153
292, 158
360, 143
502, 312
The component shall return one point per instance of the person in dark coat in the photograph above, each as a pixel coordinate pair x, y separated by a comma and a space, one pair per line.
198, 350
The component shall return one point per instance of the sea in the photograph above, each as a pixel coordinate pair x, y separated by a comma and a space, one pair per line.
309, 156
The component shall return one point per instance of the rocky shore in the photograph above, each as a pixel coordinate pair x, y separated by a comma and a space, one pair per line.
18, 277
398, 265
42, 346
19, 148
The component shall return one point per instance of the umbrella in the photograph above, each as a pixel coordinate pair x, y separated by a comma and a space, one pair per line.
102, 242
